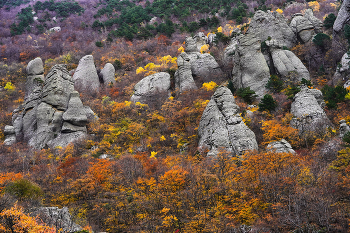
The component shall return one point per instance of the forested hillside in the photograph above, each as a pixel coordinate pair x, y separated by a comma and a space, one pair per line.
174, 116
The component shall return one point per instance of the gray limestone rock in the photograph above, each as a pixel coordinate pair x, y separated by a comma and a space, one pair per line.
272, 25
108, 75
222, 128
250, 69
191, 45
35, 67
302, 27
57, 87
59, 218
151, 85
183, 76
204, 66
342, 72
281, 146
85, 76
318, 24
343, 17
200, 39
10, 135
308, 115
343, 128
286, 63
230, 51
63, 139
75, 113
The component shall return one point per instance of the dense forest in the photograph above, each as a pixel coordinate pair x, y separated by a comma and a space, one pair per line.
141, 166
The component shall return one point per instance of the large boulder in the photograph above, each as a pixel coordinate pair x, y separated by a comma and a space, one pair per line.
107, 74
342, 72
343, 17
302, 27
85, 76
281, 146
343, 128
222, 128
35, 67
230, 51
308, 115
250, 69
289, 66
150, 86
10, 135
183, 76
272, 25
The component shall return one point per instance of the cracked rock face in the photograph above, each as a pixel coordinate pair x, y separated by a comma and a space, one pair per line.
309, 116
108, 75
150, 86
183, 76
53, 114
222, 128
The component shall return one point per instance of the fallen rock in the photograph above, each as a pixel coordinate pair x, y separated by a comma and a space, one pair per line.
281, 146
308, 115
150, 86
108, 75
85, 76
222, 128
35, 67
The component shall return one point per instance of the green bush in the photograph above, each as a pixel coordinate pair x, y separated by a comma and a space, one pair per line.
275, 84
24, 189
117, 64
267, 103
333, 95
246, 94
99, 44
322, 40
291, 91
231, 87
329, 21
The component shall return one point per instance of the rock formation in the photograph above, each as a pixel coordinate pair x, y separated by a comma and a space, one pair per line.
343, 71
251, 69
53, 114
343, 128
308, 114
192, 63
288, 66
151, 85
183, 75
306, 26
222, 128
265, 25
343, 17
85, 76
107, 74
59, 218
281, 146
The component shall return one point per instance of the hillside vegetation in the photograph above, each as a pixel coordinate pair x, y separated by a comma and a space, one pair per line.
141, 168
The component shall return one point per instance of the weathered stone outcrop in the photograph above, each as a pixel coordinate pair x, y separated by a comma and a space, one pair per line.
343, 128
10, 135
85, 77
52, 114
265, 25
306, 26
151, 85
107, 74
222, 128
59, 218
281, 146
343, 17
183, 76
342, 72
308, 114
251, 69
289, 66
230, 51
